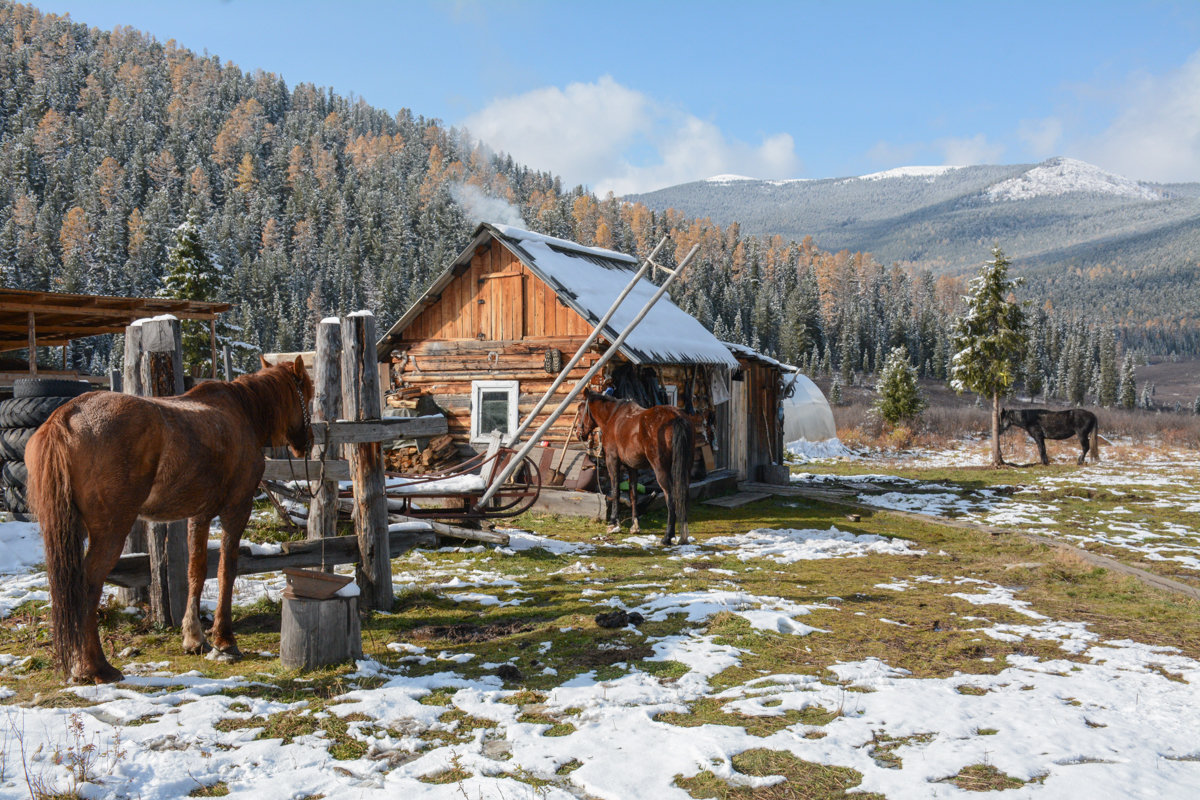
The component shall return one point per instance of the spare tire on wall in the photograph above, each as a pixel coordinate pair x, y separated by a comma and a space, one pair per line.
13, 441
49, 387
28, 412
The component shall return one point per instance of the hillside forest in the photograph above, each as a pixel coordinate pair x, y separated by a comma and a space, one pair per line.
311, 203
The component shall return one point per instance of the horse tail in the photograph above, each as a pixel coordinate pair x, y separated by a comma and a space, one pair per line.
1095, 439
682, 448
52, 499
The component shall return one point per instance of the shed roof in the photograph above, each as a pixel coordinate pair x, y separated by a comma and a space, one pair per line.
588, 280
58, 317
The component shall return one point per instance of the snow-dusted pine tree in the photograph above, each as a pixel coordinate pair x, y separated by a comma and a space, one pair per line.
989, 340
192, 275
899, 398
1127, 392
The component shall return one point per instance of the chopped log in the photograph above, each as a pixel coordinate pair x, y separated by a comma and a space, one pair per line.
317, 633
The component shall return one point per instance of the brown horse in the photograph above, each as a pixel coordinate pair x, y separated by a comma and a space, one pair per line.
104, 459
659, 437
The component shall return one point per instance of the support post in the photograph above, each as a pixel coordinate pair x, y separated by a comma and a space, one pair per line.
228, 362
360, 402
212, 343
327, 403
32, 344
160, 368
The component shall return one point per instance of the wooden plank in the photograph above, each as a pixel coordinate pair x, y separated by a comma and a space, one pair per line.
282, 469
737, 500
133, 570
570, 503
386, 429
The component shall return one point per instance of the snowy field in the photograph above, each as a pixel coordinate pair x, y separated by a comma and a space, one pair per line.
1144, 505
1090, 717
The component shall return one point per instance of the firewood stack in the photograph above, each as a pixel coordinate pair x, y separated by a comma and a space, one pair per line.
441, 453
404, 397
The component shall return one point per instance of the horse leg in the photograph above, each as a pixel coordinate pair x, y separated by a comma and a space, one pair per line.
104, 550
633, 510
1041, 445
613, 465
663, 476
193, 634
1083, 443
233, 521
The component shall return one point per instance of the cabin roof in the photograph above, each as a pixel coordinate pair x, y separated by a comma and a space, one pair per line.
588, 280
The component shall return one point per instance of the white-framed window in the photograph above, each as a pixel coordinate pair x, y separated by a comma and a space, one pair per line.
672, 393
493, 407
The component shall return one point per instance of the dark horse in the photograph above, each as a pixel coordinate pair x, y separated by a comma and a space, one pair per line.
659, 437
1043, 424
105, 458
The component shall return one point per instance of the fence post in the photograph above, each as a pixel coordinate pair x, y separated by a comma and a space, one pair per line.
327, 402
360, 401
160, 374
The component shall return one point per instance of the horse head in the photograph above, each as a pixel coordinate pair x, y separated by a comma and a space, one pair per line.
298, 424
586, 422
1006, 419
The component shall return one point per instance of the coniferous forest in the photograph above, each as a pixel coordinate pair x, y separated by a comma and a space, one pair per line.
312, 203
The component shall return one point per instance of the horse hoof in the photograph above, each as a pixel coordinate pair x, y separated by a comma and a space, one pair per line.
107, 674
223, 655
665, 541
613, 529
635, 530
196, 649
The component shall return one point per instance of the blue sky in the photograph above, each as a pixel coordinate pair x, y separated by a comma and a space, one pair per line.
631, 96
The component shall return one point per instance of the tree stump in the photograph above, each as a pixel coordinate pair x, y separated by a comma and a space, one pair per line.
317, 633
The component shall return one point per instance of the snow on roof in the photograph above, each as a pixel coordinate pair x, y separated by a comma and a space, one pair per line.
749, 352
589, 280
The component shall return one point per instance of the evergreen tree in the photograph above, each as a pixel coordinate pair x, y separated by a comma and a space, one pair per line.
191, 275
899, 398
835, 390
1128, 389
989, 339
1107, 392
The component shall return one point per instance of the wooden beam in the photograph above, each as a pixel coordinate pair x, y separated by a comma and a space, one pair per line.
387, 429
282, 469
133, 570
129, 314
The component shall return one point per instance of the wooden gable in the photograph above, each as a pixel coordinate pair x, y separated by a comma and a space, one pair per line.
495, 297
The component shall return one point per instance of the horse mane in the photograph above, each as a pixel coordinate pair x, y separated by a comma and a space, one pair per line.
265, 396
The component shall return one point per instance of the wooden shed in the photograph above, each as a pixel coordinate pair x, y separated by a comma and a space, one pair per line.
752, 420
487, 339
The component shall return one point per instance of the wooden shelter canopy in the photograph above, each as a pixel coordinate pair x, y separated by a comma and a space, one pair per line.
53, 318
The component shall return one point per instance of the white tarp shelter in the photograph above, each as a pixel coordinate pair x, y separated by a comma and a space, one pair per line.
806, 412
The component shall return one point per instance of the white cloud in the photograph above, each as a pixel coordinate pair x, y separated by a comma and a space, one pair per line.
966, 152
592, 133
1156, 134
1041, 135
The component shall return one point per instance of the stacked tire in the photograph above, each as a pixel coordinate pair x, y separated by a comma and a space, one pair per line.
32, 403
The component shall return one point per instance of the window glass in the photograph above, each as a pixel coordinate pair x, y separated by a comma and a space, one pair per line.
493, 411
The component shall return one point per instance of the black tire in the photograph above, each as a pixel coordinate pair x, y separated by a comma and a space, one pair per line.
49, 387
15, 473
28, 412
13, 441
14, 498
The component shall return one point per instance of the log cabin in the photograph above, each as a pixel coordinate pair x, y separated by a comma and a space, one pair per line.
489, 336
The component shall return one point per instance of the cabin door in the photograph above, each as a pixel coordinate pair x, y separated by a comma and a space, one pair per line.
502, 306
739, 428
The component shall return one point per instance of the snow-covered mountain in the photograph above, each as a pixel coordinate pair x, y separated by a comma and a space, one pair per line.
1059, 212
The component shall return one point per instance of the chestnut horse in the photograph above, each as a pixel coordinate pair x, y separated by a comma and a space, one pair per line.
104, 459
659, 437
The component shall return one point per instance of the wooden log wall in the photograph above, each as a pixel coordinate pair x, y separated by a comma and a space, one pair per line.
444, 370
